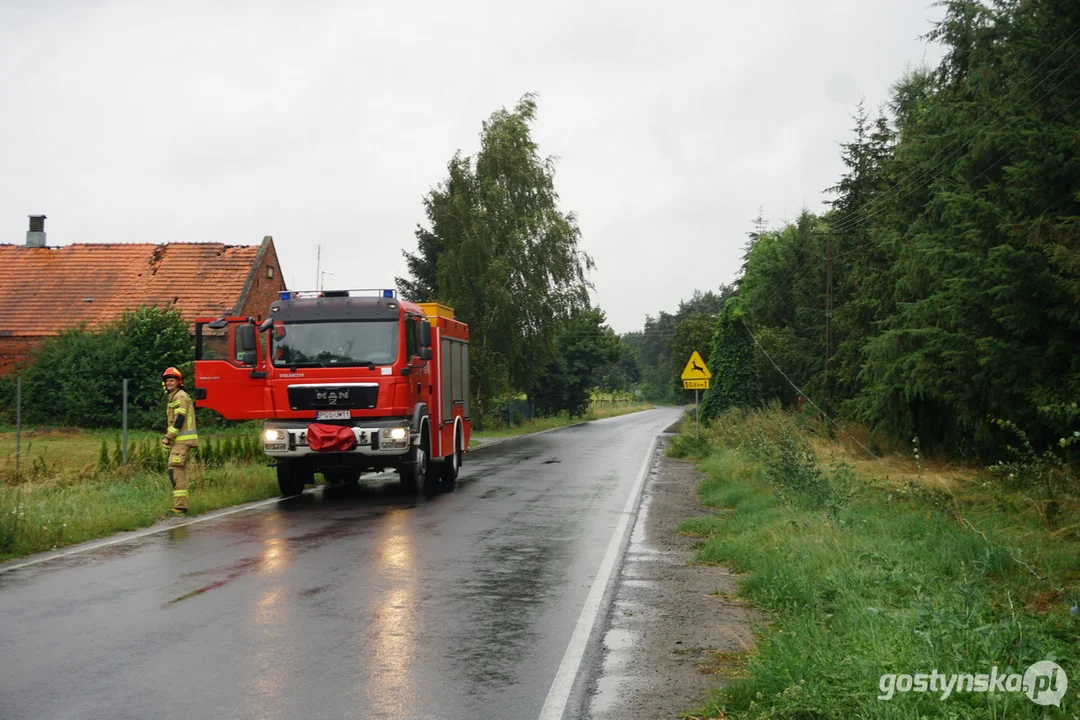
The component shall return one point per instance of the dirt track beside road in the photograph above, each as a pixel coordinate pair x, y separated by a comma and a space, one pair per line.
675, 631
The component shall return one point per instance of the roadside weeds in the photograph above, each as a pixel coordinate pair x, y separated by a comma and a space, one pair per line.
870, 576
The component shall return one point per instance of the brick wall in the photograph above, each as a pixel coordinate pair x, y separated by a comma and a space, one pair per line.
264, 289
14, 350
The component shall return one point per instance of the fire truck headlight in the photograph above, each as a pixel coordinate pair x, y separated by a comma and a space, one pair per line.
398, 433
273, 435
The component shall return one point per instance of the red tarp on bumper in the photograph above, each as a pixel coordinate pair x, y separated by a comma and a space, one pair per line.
323, 438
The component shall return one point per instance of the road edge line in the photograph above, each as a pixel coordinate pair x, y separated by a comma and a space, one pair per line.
562, 686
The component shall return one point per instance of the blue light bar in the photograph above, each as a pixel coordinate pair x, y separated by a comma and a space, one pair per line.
360, 292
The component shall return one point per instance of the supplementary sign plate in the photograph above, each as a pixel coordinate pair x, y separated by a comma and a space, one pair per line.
695, 384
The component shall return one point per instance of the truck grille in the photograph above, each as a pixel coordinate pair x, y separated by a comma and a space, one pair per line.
328, 397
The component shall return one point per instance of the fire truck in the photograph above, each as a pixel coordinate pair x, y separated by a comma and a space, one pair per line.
346, 382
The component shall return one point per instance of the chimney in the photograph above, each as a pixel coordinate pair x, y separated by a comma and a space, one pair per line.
35, 236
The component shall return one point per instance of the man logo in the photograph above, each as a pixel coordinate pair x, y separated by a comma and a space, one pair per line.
332, 396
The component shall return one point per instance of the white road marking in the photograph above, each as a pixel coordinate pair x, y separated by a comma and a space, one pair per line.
562, 685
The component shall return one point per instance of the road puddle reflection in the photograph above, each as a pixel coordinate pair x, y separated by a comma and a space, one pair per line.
393, 636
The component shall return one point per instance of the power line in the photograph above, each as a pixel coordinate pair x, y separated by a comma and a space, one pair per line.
954, 512
973, 128
840, 226
845, 224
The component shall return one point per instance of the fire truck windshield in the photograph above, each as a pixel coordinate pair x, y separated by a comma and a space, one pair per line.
335, 344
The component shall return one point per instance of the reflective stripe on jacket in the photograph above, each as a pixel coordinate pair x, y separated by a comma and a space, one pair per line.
180, 404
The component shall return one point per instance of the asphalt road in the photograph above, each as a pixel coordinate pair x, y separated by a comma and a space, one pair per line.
367, 603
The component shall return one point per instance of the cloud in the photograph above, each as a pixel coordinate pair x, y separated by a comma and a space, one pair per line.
326, 123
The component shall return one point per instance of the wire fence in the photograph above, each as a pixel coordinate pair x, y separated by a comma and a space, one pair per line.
137, 447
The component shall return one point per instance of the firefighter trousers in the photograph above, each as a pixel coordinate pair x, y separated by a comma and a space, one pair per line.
178, 457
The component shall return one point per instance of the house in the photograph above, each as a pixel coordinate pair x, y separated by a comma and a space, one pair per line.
46, 290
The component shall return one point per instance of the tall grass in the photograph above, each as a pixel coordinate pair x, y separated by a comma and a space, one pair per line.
862, 579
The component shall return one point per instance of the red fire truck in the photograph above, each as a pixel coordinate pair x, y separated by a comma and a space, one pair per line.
347, 381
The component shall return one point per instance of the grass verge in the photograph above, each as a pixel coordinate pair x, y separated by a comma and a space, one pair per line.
866, 576
71, 486
37, 516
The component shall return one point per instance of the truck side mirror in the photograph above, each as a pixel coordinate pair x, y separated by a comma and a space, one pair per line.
425, 353
247, 358
425, 336
245, 339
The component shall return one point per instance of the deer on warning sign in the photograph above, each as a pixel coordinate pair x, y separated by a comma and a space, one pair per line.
697, 367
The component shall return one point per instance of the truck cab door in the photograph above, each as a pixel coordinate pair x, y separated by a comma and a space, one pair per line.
230, 369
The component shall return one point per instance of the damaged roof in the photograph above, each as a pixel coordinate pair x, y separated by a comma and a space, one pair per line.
46, 290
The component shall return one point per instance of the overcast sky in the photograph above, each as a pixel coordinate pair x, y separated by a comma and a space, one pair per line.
324, 123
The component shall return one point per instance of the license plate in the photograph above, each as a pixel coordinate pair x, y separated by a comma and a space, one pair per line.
333, 415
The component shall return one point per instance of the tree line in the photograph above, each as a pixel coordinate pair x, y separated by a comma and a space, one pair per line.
937, 297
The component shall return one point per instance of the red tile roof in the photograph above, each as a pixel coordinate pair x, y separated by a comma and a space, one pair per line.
46, 290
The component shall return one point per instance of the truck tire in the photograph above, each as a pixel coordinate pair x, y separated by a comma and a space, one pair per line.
451, 464
292, 478
413, 472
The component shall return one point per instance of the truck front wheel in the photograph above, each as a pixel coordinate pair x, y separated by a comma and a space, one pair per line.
292, 477
413, 472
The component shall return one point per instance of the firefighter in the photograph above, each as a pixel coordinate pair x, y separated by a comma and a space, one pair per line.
180, 436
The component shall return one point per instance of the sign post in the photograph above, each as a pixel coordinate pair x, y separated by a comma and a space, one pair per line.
695, 376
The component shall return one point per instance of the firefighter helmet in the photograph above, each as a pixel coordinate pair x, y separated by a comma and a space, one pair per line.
172, 372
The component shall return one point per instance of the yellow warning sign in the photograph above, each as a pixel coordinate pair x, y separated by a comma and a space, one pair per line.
695, 369
695, 384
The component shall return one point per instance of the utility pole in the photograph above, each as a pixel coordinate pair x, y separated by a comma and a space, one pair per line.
18, 423
124, 461
318, 259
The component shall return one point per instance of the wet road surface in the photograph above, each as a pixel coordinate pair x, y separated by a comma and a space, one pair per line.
362, 603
